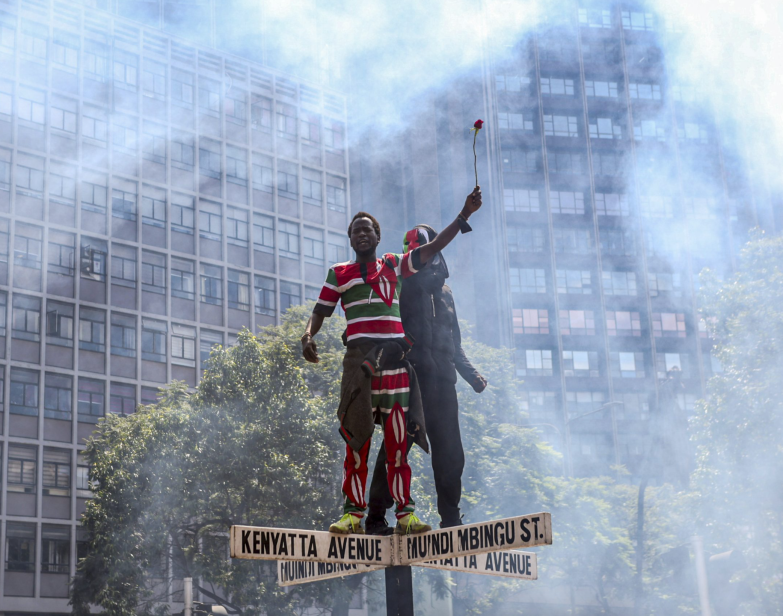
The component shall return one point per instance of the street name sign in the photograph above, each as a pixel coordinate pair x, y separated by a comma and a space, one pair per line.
290, 572
505, 563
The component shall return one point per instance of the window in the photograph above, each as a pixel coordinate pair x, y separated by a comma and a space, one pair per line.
153, 272
581, 402
656, 207
209, 158
122, 399
572, 240
94, 197
91, 400
634, 407
311, 187
565, 202
264, 173
3, 321
19, 545
286, 120
237, 231
510, 83
123, 266
712, 365
62, 115
56, 469
516, 161
95, 124
565, 162
125, 133
123, 203
8, 34
153, 340
210, 221
261, 113
334, 134
607, 164
595, 18
618, 242
31, 107
5, 170
92, 329
209, 340
645, 91
123, 335
209, 96
4, 239
29, 175
605, 128
552, 86
182, 153
183, 278
611, 204
623, 323
692, 131
577, 323
313, 245
627, 365
287, 181
669, 324
527, 280
560, 126
183, 214
649, 130
525, 239
58, 395
183, 345
530, 321
638, 21
26, 318
290, 295
574, 282
55, 548
310, 128
521, 200
666, 362
182, 88
619, 283
62, 189
59, 324
153, 207
236, 166
661, 282
537, 404
28, 246
153, 80
149, 395
580, 363
288, 238
96, 60
702, 207
238, 290
125, 69
24, 392
533, 362
336, 194
338, 248
211, 284
265, 295
513, 121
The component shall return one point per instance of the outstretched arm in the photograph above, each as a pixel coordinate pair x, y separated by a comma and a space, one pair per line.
429, 250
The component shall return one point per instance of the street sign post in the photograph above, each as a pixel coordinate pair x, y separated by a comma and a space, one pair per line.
486, 548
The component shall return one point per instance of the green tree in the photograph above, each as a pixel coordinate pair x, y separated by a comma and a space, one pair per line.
739, 427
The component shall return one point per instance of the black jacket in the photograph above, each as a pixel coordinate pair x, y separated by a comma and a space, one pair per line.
428, 314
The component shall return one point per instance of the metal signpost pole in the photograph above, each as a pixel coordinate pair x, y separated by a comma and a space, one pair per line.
399, 591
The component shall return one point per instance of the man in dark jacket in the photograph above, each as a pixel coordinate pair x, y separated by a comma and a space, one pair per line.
429, 316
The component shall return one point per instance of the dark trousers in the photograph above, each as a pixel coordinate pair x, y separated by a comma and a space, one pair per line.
441, 414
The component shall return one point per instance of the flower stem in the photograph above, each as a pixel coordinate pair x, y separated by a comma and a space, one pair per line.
475, 166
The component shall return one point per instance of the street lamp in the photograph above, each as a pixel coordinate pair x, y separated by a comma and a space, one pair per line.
569, 470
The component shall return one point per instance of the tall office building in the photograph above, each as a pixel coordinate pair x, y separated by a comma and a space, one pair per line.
155, 197
606, 190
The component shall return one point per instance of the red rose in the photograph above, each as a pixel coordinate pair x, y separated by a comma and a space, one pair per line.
478, 124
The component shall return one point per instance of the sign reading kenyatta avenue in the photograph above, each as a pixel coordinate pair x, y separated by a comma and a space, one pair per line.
488, 548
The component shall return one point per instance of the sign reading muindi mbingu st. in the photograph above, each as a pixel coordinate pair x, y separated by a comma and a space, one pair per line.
290, 572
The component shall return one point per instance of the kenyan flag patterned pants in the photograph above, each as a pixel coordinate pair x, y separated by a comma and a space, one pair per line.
390, 394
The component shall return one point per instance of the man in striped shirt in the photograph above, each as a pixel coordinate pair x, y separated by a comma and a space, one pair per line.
368, 289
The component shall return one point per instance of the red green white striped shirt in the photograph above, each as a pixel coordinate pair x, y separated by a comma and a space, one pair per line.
369, 294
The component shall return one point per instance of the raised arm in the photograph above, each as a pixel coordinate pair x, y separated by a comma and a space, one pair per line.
472, 204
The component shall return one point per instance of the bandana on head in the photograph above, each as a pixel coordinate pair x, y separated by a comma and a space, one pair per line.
414, 238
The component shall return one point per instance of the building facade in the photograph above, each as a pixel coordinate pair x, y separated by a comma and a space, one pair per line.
607, 190
155, 198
